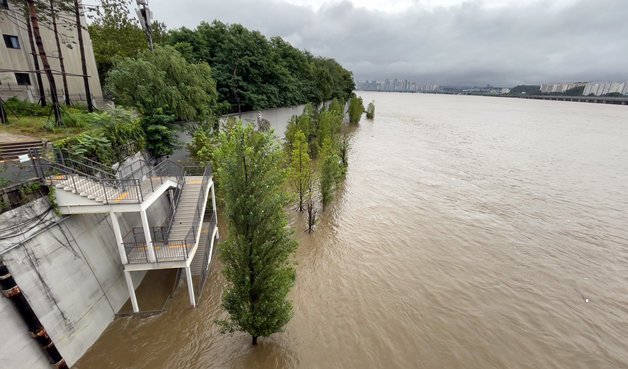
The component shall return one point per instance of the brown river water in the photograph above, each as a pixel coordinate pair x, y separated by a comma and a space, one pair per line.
471, 232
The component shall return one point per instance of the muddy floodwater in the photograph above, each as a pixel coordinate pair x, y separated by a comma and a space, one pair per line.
471, 232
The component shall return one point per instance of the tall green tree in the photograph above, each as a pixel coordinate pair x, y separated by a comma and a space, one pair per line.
255, 73
331, 172
356, 108
257, 255
370, 111
300, 173
164, 79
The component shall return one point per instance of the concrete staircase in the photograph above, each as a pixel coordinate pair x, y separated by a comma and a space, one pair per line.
89, 188
11, 150
197, 266
184, 217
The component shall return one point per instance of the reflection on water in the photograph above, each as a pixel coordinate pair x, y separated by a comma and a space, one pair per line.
468, 234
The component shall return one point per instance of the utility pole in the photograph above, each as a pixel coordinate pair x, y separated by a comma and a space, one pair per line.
79, 30
40, 84
145, 16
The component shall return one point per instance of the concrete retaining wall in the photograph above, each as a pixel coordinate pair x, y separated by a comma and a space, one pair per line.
70, 271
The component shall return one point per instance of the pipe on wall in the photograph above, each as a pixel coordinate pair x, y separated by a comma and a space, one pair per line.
12, 291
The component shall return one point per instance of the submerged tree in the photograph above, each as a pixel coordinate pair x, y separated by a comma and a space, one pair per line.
370, 111
311, 211
331, 172
300, 172
256, 256
356, 108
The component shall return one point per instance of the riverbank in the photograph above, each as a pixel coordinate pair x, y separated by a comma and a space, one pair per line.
460, 238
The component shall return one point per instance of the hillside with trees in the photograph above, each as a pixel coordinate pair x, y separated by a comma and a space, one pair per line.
254, 73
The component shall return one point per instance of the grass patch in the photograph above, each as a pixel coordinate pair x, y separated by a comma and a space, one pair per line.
38, 127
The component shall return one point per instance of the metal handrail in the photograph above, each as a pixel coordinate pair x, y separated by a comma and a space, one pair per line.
69, 159
135, 238
100, 188
99, 183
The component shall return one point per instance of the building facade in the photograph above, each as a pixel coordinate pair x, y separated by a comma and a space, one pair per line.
18, 75
603, 88
560, 87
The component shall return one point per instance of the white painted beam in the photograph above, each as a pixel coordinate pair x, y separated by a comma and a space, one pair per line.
129, 284
149, 242
188, 275
118, 234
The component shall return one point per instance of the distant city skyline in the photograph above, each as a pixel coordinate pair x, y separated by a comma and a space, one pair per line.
445, 42
596, 88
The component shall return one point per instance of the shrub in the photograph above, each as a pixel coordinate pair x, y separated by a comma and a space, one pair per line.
356, 108
23, 108
370, 111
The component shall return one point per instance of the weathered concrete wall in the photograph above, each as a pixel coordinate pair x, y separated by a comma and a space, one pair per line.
70, 272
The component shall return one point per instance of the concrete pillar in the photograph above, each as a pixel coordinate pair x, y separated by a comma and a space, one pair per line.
214, 209
129, 284
188, 275
149, 242
118, 234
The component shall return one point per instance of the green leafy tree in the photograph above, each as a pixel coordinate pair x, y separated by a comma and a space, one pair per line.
344, 152
161, 137
356, 108
254, 73
370, 111
203, 146
257, 254
300, 173
164, 79
331, 172
116, 33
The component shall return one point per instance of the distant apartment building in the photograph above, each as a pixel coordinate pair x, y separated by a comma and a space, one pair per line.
559, 87
17, 67
603, 88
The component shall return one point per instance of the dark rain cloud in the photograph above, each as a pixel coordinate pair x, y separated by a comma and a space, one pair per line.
542, 41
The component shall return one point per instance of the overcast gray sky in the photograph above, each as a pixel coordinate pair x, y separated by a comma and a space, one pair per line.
472, 42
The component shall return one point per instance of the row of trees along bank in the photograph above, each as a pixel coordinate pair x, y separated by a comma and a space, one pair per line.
254, 174
252, 171
250, 71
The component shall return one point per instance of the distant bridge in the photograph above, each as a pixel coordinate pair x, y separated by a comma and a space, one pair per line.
587, 99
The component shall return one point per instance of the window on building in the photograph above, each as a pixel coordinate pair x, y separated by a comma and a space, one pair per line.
11, 42
4, 4
23, 79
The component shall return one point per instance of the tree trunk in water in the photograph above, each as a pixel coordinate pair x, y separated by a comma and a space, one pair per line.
79, 29
61, 64
254, 341
40, 84
44, 61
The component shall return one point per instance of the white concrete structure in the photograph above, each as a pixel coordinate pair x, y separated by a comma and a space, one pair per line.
85, 187
17, 77
70, 271
603, 88
559, 87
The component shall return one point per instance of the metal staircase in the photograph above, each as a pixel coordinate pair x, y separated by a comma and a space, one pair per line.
88, 187
95, 181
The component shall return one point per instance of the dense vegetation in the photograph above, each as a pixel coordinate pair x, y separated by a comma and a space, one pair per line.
256, 256
162, 79
253, 73
116, 33
526, 90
